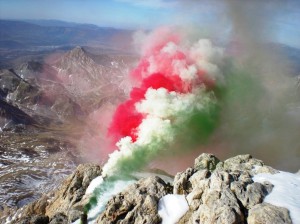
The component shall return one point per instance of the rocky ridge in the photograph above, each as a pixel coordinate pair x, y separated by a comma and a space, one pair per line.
216, 192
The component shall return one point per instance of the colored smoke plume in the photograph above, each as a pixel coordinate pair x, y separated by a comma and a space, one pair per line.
173, 94
175, 98
260, 115
172, 104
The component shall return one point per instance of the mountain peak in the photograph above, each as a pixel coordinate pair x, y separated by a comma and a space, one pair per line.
31, 66
77, 55
77, 52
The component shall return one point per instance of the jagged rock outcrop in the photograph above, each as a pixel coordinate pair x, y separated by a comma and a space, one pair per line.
216, 192
224, 192
137, 204
69, 196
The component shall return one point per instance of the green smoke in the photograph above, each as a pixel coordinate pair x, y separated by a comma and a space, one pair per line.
197, 127
189, 128
99, 191
107, 185
259, 116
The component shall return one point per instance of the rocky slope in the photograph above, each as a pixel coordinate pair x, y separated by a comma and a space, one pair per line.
216, 192
93, 80
66, 88
44, 112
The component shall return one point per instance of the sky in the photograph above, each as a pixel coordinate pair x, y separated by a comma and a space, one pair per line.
282, 17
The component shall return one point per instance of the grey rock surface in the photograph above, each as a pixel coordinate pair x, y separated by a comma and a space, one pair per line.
268, 214
206, 161
221, 192
59, 218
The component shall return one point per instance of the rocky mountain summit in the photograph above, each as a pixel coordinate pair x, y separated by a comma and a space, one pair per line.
216, 192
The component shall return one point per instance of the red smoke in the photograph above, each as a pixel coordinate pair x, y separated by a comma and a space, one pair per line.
156, 69
159, 80
126, 119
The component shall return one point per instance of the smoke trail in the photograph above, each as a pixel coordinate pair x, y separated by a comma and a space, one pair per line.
175, 98
174, 94
260, 112
261, 103
173, 104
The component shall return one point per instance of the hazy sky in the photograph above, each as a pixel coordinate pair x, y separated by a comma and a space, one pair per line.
282, 21
118, 13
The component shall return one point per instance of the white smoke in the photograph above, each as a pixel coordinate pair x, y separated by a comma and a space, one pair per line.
207, 57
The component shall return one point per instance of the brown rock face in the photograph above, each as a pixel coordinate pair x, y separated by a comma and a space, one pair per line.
73, 190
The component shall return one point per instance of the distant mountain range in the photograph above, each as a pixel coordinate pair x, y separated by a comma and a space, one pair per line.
57, 23
21, 41
41, 68
45, 78
52, 32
